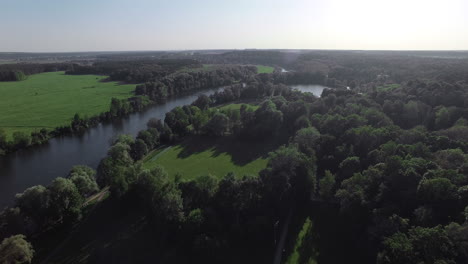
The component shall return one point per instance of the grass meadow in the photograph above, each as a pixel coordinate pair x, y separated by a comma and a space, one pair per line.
49, 100
200, 155
264, 69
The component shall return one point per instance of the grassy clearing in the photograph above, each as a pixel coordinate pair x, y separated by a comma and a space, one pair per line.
264, 69
303, 245
237, 107
49, 100
200, 155
388, 87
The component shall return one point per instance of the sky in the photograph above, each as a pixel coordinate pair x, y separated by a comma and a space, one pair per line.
124, 25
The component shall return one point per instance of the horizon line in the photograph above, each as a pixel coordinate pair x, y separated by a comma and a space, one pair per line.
234, 49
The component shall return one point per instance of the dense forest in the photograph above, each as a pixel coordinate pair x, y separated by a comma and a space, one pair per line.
379, 161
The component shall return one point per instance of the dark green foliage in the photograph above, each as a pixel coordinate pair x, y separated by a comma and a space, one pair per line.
217, 125
34, 203
65, 201
21, 139
289, 173
161, 195
420, 245
202, 102
138, 149
16, 249
327, 185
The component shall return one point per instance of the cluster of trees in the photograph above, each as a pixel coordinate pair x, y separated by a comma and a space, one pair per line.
207, 216
40, 208
20, 71
183, 82
402, 185
22, 140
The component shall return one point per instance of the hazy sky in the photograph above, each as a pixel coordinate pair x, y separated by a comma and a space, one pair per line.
100, 25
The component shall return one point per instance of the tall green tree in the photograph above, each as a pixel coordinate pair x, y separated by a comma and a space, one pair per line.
16, 249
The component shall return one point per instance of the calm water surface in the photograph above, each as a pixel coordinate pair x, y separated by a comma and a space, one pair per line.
311, 88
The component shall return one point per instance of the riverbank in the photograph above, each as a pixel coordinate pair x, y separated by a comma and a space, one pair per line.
43, 163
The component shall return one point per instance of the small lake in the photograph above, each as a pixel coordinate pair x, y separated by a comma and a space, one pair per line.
311, 88
42, 164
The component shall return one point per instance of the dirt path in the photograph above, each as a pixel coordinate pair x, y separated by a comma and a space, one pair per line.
160, 153
96, 197
282, 240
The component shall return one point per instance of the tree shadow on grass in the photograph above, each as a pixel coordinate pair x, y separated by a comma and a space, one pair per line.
241, 151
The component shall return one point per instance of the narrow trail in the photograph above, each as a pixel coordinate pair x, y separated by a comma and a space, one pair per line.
97, 197
282, 240
160, 153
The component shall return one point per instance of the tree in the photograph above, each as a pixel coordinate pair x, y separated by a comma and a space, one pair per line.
442, 119
289, 172
326, 186
16, 249
150, 137
267, 119
437, 190
86, 185
84, 179
217, 125
120, 154
198, 192
21, 139
35, 202
307, 139
352, 194
398, 249
420, 245
161, 195
3, 139
178, 121
138, 149
202, 102
65, 200
11, 222
349, 166
199, 120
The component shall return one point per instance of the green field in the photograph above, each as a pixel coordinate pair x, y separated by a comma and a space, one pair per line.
264, 69
49, 100
238, 106
388, 87
217, 156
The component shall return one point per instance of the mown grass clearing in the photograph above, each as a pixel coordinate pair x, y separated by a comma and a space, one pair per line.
200, 155
388, 87
304, 243
264, 69
49, 100
238, 106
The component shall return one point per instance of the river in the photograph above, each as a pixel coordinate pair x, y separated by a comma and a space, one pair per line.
316, 89
41, 164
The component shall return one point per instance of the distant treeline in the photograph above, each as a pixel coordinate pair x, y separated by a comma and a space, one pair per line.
20, 71
182, 82
353, 68
135, 71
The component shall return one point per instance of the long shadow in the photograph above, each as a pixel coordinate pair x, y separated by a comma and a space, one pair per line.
242, 151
